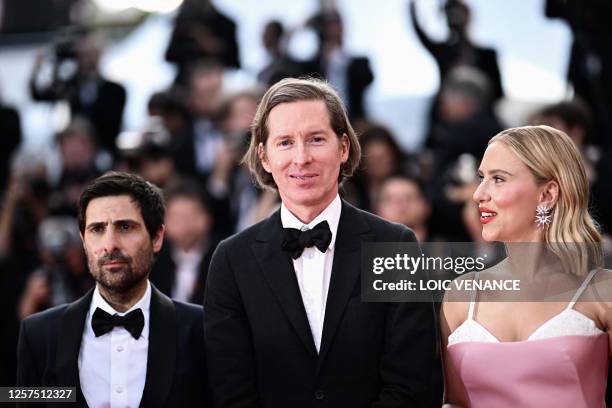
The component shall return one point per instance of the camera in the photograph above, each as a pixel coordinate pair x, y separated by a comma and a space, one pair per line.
57, 234
65, 47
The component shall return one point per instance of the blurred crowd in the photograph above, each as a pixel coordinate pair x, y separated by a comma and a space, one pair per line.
197, 132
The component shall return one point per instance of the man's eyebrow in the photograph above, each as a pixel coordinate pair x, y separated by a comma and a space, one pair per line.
96, 224
316, 131
280, 136
126, 221
116, 222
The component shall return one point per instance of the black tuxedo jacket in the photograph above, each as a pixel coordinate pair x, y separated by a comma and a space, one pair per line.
105, 113
49, 344
260, 350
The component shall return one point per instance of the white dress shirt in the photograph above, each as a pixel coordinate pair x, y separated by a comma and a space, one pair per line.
313, 268
113, 367
336, 71
187, 272
208, 143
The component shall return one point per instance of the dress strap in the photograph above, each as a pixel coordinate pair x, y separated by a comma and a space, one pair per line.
473, 300
582, 288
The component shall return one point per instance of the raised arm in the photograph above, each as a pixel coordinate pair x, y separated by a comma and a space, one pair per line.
425, 40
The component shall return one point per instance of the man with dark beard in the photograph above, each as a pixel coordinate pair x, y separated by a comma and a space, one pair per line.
124, 343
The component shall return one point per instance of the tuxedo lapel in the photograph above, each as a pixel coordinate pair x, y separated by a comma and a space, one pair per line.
346, 268
69, 344
277, 268
161, 357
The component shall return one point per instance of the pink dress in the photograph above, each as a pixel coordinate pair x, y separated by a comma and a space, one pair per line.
564, 363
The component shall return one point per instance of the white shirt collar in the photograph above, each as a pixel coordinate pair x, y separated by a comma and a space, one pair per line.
194, 255
331, 214
143, 303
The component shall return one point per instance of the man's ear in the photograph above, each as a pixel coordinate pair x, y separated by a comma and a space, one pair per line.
550, 194
261, 152
158, 239
345, 145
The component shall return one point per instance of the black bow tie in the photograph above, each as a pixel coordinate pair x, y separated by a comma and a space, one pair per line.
294, 240
102, 322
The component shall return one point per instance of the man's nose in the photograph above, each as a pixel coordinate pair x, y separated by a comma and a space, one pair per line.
110, 241
302, 154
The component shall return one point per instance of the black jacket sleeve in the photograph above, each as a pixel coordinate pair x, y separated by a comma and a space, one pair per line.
230, 357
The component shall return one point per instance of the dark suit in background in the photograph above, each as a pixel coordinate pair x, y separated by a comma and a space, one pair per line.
10, 139
457, 51
590, 63
202, 32
259, 344
103, 107
358, 77
452, 52
50, 341
163, 273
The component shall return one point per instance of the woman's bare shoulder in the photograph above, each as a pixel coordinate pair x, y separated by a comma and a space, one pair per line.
601, 288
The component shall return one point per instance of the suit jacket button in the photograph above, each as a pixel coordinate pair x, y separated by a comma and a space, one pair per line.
319, 394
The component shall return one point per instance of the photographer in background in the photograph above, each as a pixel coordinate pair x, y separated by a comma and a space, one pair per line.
80, 162
198, 147
22, 209
10, 131
349, 74
62, 276
280, 64
457, 51
463, 124
201, 32
76, 79
24, 206
590, 64
149, 153
458, 139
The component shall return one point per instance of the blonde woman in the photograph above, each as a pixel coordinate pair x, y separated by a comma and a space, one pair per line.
533, 196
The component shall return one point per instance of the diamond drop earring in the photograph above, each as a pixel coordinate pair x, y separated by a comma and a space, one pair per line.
543, 216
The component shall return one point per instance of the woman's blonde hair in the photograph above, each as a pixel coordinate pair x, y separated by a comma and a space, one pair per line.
551, 155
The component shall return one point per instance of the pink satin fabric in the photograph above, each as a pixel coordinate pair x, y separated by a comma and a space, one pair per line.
566, 371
